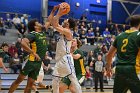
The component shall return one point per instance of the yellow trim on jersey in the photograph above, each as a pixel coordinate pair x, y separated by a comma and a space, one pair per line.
82, 66
137, 66
34, 48
130, 31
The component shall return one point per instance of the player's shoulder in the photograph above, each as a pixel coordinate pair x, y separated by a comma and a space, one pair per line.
121, 35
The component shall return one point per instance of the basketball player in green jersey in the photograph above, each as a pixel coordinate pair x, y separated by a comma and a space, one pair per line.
127, 47
35, 44
79, 67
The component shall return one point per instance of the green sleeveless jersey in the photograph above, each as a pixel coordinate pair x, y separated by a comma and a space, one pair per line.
127, 49
37, 43
79, 63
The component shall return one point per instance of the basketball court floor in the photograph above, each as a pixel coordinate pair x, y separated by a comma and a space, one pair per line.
48, 91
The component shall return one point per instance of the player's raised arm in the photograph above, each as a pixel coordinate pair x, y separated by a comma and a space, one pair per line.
50, 17
65, 29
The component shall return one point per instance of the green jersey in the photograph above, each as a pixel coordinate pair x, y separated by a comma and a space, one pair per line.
5, 56
127, 49
37, 43
79, 63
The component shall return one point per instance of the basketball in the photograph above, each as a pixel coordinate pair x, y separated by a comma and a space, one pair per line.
66, 8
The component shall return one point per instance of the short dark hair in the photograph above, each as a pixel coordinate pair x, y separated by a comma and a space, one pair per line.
134, 20
4, 44
72, 23
31, 25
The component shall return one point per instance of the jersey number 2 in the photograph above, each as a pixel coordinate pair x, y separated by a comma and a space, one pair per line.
125, 42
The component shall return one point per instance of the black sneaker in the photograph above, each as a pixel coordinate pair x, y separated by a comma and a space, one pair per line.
37, 92
102, 90
96, 90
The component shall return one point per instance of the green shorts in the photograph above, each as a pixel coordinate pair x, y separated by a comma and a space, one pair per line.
126, 78
67, 81
31, 69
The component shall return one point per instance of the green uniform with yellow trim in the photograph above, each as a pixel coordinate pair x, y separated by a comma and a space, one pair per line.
39, 45
128, 62
79, 68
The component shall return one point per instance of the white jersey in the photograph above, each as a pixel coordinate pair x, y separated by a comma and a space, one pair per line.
64, 61
63, 48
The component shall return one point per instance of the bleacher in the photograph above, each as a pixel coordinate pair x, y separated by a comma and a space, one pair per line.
8, 78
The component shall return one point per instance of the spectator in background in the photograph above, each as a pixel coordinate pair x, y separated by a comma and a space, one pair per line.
8, 21
2, 27
90, 37
82, 28
107, 41
99, 69
90, 57
52, 48
106, 33
104, 49
50, 32
83, 37
110, 26
21, 30
5, 54
83, 17
76, 33
123, 28
97, 50
97, 31
24, 20
12, 50
88, 76
15, 63
115, 29
16, 21
46, 62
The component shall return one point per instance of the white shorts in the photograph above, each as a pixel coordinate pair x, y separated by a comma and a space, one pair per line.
64, 67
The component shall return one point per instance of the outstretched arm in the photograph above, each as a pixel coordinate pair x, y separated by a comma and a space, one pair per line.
109, 57
59, 28
25, 45
49, 20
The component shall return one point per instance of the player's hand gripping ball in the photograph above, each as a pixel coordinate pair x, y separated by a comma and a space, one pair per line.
64, 8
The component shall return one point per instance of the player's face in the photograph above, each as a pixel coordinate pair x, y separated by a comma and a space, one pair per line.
99, 57
74, 43
5, 48
38, 26
65, 23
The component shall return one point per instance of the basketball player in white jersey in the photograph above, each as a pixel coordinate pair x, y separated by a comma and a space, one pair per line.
64, 60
